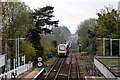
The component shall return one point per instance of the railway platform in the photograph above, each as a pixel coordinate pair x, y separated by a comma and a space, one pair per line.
30, 74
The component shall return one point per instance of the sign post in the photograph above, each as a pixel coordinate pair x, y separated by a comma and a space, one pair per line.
39, 61
39, 64
39, 58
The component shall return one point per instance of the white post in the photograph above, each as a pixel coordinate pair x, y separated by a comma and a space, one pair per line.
8, 64
5, 61
111, 47
24, 59
14, 65
16, 61
103, 46
18, 54
24, 63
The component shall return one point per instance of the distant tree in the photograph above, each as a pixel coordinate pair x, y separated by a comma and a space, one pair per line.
65, 33
82, 32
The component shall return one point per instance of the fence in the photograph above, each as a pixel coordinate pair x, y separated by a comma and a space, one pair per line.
19, 69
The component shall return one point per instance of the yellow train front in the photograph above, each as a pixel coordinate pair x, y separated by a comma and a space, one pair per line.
62, 50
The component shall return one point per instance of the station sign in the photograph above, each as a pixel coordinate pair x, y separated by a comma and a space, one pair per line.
39, 64
39, 58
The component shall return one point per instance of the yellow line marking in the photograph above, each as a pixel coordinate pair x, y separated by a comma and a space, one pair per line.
31, 74
93, 77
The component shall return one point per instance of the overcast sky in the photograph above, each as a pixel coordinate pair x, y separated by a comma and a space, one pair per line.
71, 12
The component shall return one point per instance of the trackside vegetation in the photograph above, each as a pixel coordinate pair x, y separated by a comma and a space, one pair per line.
107, 25
19, 21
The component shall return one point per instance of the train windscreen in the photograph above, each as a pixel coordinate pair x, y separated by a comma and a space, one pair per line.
62, 48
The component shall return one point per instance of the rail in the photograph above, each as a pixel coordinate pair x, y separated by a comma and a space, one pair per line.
70, 67
78, 75
90, 65
51, 68
59, 69
38, 74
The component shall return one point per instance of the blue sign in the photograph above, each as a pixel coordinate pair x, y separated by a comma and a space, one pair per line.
15, 60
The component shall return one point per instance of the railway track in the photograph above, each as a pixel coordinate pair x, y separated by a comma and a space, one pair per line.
55, 69
73, 67
90, 67
67, 68
74, 72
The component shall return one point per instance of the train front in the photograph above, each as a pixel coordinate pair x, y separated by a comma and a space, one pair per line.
62, 50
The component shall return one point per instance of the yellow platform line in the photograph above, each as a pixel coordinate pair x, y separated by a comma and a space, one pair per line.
93, 77
31, 75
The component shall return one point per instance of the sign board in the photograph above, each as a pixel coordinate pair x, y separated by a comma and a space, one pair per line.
39, 64
39, 58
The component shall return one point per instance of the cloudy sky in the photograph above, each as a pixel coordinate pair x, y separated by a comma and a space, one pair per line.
71, 12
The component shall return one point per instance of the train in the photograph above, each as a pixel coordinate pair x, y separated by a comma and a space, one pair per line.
63, 49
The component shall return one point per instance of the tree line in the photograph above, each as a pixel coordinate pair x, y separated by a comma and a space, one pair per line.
107, 25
